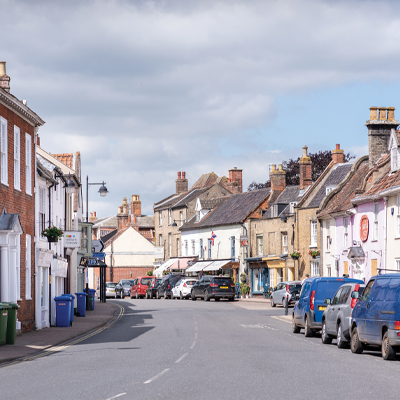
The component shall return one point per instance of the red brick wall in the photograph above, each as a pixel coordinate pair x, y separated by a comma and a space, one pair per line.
258, 212
18, 202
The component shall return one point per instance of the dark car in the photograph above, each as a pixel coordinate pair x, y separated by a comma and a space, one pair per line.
151, 290
214, 287
307, 312
166, 285
123, 288
376, 316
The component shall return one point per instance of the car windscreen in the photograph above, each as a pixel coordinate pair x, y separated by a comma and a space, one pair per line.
295, 287
190, 282
146, 281
174, 278
222, 281
127, 283
110, 285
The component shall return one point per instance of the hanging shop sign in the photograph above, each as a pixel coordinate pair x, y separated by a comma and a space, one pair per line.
364, 228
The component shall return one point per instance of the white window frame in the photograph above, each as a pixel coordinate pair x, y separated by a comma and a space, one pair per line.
42, 210
170, 216
28, 267
284, 243
186, 247
181, 217
393, 159
291, 207
314, 268
17, 158
233, 247
160, 218
397, 264
314, 233
18, 267
4, 151
376, 221
328, 270
398, 217
28, 163
201, 248
193, 243
328, 236
345, 232
170, 244
260, 245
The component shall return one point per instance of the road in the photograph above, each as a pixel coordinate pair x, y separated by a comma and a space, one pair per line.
174, 349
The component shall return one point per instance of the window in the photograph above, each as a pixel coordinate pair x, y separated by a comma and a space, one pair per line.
284, 244
160, 242
397, 267
17, 158
260, 249
375, 230
201, 248
170, 216
178, 249
42, 209
398, 217
274, 211
232, 246
328, 270
170, 244
344, 295
193, 247
314, 234
291, 207
3, 145
28, 261
28, 163
209, 248
186, 248
393, 159
314, 268
160, 218
367, 290
345, 233
279, 275
181, 217
336, 297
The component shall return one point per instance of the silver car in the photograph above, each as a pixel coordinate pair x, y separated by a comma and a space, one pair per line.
285, 290
336, 318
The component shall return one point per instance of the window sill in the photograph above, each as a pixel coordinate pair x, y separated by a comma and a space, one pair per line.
17, 189
397, 237
374, 240
28, 298
5, 184
313, 246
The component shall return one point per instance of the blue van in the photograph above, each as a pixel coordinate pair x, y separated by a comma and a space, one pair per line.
376, 316
307, 312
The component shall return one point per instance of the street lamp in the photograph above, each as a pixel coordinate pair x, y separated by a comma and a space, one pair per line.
103, 192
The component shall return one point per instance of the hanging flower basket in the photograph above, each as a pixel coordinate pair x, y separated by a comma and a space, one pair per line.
295, 255
52, 233
314, 253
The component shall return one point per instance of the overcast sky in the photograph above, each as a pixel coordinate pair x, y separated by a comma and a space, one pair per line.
144, 89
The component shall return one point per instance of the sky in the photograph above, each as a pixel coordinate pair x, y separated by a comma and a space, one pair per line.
144, 89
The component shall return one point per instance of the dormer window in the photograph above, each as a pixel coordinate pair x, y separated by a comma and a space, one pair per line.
274, 210
291, 207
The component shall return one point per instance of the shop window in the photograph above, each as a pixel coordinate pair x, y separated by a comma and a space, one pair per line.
260, 250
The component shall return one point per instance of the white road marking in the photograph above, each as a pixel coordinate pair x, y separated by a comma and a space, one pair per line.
196, 335
118, 395
282, 319
181, 358
251, 326
157, 376
193, 344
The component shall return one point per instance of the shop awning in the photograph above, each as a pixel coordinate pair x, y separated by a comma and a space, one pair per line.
164, 266
199, 266
216, 265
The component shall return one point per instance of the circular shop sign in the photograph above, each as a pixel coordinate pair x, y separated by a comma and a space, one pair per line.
364, 228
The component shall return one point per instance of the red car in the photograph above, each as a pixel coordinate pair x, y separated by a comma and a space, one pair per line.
140, 285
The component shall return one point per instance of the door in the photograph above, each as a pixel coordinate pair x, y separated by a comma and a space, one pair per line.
332, 312
302, 304
360, 309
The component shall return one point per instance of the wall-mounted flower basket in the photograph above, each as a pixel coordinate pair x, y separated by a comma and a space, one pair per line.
52, 233
295, 255
314, 253
52, 239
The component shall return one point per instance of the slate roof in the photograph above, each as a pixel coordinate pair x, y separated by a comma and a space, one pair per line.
288, 195
145, 221
341, 201
8, 221
208, 180
109, 222
234, 210
109, 236
337, 175
168, 201
189, 196
209, 204
65, 158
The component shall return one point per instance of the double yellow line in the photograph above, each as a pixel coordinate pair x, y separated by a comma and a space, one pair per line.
55, 349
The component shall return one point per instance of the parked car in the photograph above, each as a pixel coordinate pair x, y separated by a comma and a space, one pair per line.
376, 316
123, 288
183, 288
285, 290
307, 312
110, 290
214, 287
166, 285
139, 287
336, 319
151, 290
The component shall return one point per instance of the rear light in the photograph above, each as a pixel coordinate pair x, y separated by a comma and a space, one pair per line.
354, 301
184, 284
397, 325
312, 298
169, 287
341, 280
287, 288
233, 285
213, 284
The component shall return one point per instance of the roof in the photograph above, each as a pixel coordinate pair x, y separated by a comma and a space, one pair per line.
145, 221
209, 204
10, 222
109, 222
208, 180
289, 194
65, 158
169, 201
189, 196
234, 210
338, 174
43, 171
109, 236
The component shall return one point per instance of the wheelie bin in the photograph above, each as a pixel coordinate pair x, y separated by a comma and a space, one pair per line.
3, 322
63, 311
81, 304
92, 292
72, 297
12, 323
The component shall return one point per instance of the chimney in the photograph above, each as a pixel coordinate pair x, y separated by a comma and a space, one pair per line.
136, 206
338, 155
235, 183
305, 170
4, 79
278, 178
381, 122
122, 216
93, 217
181, 183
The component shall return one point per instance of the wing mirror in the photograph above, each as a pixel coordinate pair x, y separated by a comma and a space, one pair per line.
355, 295
327, 301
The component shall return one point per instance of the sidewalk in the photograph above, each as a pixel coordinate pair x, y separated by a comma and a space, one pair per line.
30, 343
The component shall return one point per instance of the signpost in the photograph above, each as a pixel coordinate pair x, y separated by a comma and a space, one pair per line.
97, 246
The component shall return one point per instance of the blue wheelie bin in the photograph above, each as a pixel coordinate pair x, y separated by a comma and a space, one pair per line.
63, 311
81, 304
93, 293
72, 297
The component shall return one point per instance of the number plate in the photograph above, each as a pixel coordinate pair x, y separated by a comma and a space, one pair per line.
223, 287
321, 308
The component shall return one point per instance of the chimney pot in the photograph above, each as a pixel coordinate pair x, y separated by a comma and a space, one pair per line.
4, 79
390, 114
2, 68
382, 112
305, 151
338, 147
373, 113
179, 175
183, 175
273, 168
280, 167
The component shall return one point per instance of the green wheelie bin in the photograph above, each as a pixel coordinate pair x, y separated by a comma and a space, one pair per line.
3, 322
12, 323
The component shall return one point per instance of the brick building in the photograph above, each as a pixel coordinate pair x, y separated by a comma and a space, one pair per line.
18, 130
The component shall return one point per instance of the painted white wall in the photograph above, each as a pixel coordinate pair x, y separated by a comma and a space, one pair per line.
393, 236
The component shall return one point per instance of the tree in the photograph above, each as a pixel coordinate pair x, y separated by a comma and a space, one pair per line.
319, 161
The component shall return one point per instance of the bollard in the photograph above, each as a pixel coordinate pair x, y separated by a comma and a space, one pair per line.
286, 305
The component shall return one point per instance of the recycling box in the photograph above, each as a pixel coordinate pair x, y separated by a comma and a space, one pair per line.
81, 304
63, 311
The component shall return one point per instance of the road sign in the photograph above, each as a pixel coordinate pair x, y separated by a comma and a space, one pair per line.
92, 261
97, 246
99, 255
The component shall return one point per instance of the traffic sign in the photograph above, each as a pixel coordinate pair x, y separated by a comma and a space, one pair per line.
99, 255
92, 261
97, 246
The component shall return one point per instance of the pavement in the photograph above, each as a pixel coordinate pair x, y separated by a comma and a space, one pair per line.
39, 340
30, 343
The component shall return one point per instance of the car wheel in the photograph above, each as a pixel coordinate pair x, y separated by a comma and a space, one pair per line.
157, 295
272, 302
193, 296
355, 344
295, 328
206, 298
121, 294
180, 295
115, 294
324, 336
388, 353
308, 332
340, 342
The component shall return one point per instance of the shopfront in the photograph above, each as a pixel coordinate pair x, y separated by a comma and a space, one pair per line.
259, 275
276, 268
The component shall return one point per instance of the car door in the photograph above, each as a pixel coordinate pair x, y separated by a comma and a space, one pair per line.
277, 294
301, 305
360, 309
332, 311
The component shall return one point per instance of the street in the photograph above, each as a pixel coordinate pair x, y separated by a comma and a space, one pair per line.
180, 349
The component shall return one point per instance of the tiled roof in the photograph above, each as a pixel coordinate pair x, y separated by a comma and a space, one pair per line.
341, 201
169, 201
189, 196
288, 195
65, 158
234, 210
43, 171
107, 222
110, 235
206, 180
337, 175
209, 204
145, 221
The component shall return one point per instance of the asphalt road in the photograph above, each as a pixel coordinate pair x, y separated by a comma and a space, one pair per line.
173, 349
